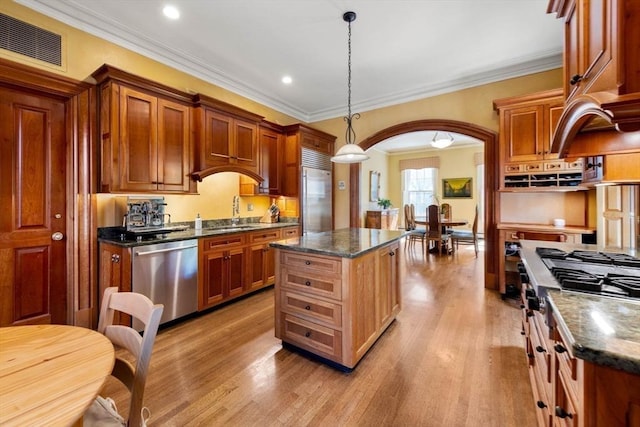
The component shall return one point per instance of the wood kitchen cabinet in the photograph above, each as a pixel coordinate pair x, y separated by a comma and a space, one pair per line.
146, 137
114, 270
296, 137
386, 219
221, 269
270, 145
226, 136
527, 124
261, 262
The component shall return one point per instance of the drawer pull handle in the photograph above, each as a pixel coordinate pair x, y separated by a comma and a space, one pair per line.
540, 349
392, 253
560, 412
308, 307
307, 334
559, 348
308, 283
307, 262
541, 404
575, 79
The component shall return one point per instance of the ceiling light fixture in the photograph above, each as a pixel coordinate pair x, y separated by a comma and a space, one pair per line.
350, 152
441, 142
287, 80
171, 12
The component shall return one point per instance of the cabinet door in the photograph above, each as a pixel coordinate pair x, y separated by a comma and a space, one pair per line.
523, 133
138, 150
388, 286
554, 112
256, 264
173, 146
218, 131
115, 270
235, 272
244, 143
270, 161
214, 279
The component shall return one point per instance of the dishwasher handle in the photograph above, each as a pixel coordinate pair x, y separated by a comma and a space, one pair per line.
159, 251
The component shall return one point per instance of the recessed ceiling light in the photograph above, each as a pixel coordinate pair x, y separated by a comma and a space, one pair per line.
171, 12
287, 80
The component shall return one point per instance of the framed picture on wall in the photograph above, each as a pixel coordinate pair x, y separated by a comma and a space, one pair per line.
374, 186
456, 188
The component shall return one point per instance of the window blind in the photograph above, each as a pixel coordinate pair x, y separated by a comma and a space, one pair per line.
420, 163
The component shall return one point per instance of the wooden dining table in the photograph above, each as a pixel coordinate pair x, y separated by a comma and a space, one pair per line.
50, 374
444, 223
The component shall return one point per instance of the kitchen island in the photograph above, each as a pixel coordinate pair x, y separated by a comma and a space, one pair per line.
336, 292
583, 349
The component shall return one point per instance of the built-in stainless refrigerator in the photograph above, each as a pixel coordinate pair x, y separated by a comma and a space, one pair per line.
317, 201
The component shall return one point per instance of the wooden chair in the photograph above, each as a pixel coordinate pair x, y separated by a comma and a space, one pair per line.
133, 377
467, 237
446, 212
434, 234
410, 225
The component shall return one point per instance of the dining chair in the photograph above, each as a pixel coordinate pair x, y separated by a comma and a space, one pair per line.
446, 212
467, 237
415, 234
132, 375
442, 240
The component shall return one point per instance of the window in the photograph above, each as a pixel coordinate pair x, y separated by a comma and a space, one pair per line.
419, 188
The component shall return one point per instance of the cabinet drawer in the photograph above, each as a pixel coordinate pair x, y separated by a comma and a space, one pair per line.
533, 167
554, 166
217, 243
321, 340
514, 168
575, 165
309, 262
565, 408
317, 144
264, 236
310, 281
288, 233
540, 346
312, 308
541, 398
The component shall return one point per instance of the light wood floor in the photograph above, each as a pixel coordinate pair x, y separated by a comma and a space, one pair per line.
453, 357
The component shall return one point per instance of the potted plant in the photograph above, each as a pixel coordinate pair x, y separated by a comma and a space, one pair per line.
384, 203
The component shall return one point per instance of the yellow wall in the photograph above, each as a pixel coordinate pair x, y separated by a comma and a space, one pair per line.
377, 162
543, 208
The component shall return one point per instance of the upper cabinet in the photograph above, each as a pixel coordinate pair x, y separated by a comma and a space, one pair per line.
270, 145
226, 136
296, 137
527, 162
145, 135
601, 71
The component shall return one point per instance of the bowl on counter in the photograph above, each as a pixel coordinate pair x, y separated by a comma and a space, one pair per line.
559, 223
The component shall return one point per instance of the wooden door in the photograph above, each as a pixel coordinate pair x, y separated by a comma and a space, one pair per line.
270, 161
138, 151
213, 278
387, 297
33, 279
555, 111
235, 272
256, 264
245, 144
173, 146
218, 132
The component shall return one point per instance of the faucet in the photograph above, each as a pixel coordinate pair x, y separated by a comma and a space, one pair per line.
235, 210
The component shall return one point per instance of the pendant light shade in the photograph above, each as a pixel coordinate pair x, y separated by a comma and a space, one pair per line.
350, 152
441, 142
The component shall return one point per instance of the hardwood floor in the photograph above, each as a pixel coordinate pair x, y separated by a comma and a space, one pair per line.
453, 357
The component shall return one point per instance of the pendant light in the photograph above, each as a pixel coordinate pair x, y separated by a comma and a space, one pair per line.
350, 152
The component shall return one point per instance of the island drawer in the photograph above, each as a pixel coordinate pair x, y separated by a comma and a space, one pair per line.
321, 340
264, 236
318, 264
311, 308
224, 242
311, 282
290, 232
540, 346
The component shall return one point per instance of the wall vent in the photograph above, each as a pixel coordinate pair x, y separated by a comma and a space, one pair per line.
26, 39
315, 159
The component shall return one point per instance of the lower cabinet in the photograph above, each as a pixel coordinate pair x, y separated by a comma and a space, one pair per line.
571, 392
336, 307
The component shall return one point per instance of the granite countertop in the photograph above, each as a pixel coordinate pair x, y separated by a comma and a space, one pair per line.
345, 243
601, 330
116, 235
572, 229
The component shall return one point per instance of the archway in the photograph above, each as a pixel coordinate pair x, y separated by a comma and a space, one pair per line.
492, 197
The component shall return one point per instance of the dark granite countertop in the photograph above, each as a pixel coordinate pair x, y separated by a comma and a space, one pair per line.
602, 330
345, 243
117, 236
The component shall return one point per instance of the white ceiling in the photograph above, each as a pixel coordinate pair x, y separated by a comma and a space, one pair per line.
401, 49
420, 141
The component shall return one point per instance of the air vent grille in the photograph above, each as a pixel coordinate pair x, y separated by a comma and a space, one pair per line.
26, 39
314, 159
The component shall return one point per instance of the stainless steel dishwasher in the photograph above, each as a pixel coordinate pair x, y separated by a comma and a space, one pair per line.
168, 274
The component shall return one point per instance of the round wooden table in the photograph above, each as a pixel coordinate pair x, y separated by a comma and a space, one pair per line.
50, 374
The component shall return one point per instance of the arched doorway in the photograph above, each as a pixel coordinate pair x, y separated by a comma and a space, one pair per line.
491, 200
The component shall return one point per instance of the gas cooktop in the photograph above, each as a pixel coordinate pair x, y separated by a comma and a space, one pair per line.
604, 273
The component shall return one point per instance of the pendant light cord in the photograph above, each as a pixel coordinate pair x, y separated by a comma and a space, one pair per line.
350, 134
